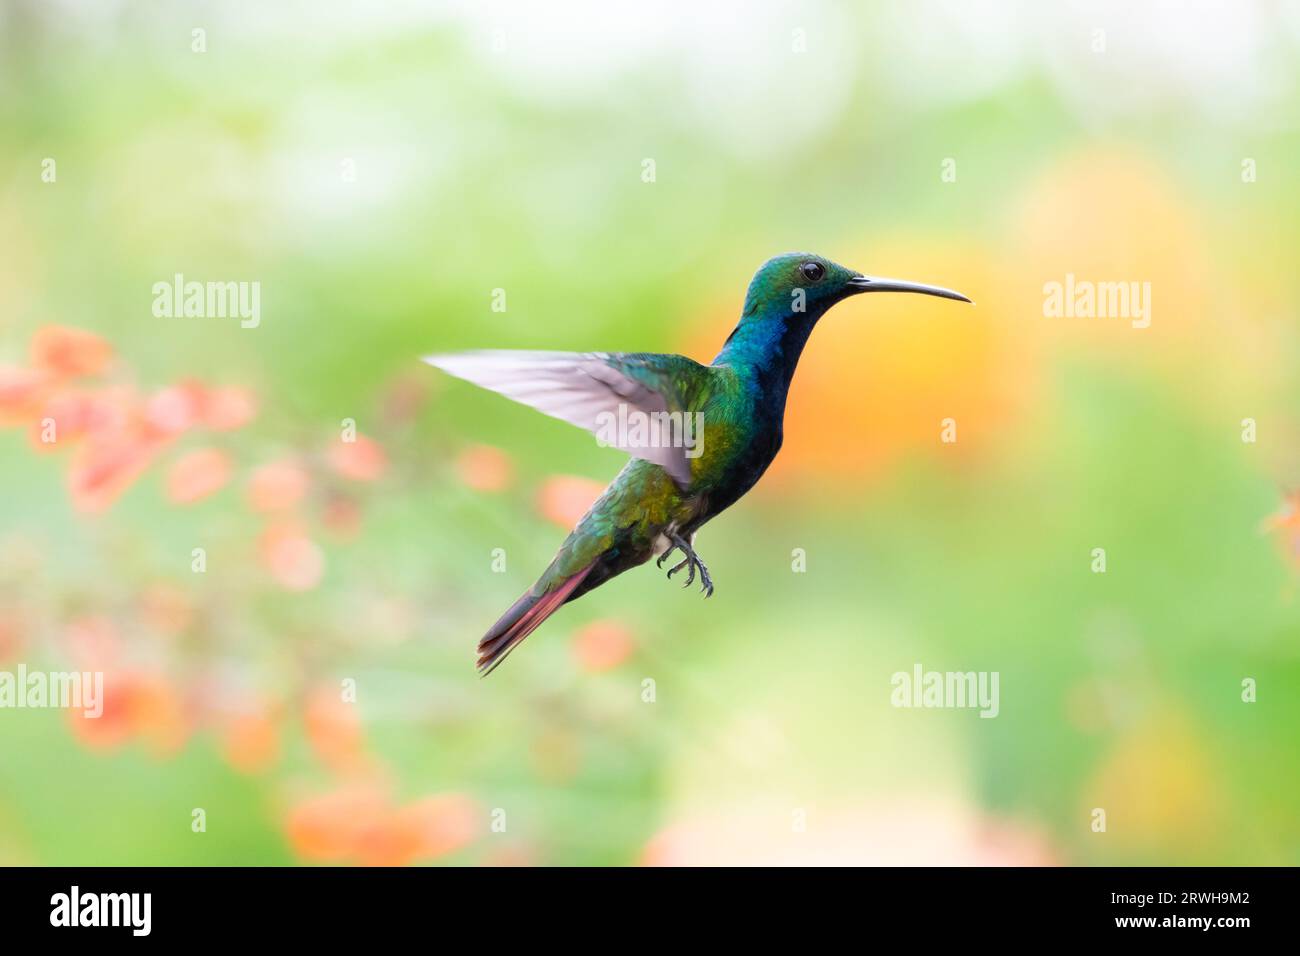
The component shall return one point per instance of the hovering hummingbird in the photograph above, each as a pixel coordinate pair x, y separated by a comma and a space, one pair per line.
679, 477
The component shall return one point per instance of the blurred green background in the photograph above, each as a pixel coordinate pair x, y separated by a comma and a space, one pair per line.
380, 170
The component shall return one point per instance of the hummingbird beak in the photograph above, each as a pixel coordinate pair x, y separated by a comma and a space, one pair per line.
859, 284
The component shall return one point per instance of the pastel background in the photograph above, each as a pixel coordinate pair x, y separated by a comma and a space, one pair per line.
380, 169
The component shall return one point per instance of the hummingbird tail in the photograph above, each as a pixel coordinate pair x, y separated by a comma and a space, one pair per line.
524, 617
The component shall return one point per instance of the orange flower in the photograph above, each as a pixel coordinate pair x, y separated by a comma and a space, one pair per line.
334, 730
146, 706
157, 713
443, 823
11, 638
1287, 516
112, 728
21, 392
198, 475
104, 467
228, 408
361, 460
277, 486
602, 646
424, 830
484, 468
250, 742
295, 561
179, 407
71, 415
564, 499
329, 827
69, 353
1286, 525
173, 409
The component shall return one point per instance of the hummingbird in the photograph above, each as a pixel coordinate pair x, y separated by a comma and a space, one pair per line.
700, 436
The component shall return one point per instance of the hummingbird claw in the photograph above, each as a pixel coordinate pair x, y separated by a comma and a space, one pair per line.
692, 563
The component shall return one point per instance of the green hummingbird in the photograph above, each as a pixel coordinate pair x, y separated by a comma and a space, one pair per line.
700, 435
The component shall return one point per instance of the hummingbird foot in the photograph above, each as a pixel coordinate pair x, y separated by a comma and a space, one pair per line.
691, 562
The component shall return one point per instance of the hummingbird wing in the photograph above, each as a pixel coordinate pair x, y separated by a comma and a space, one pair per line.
595, 391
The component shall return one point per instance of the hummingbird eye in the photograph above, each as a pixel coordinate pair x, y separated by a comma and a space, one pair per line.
812, 271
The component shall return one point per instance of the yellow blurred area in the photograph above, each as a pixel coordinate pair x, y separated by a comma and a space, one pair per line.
1162, 789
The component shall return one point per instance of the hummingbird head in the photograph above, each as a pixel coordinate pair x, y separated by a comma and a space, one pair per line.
786, 298
802, 282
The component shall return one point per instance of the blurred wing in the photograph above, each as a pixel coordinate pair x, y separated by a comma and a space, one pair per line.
597, 391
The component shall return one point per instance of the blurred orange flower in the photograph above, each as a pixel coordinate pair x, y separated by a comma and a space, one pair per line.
295, 561
197, 475
334, 730
484, 468
361, 460
227, 408
140, 705
329, 827
427, 829
157, 713
112, 728
73, 414
277, 486
602, 645
179, 407
21, 393
124, 432
250, 741
172, 410
105, 466
69, 353
11, 638
1286, 525
564, 499
359, 823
